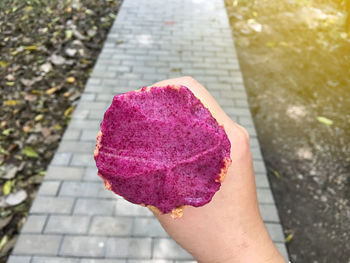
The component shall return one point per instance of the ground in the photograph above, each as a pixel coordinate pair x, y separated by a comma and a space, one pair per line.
48, 49
295, 60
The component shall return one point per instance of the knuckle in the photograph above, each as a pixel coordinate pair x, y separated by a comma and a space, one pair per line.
189, 79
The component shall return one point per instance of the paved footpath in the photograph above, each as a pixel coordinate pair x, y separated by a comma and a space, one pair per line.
73, 219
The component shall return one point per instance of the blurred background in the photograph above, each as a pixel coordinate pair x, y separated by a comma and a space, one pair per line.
48, 49
295, 60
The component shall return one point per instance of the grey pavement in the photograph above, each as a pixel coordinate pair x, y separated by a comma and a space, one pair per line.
74, 219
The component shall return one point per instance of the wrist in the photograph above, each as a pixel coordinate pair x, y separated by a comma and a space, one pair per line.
252, 244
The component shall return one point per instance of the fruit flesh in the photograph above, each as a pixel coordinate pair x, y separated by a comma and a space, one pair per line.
161, 147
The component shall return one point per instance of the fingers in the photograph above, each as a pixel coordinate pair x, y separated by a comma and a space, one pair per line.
202, 94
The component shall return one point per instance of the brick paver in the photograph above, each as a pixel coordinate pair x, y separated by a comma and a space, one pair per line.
73, 219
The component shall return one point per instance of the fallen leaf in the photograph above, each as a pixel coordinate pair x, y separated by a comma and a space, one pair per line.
10, 77
332, 84
283, 44
276, 174
57, 127
57, 60
39, 117
8, 131
70, 79
6, 189
30, 97
11, 173
92, 32
47, 67
3, 64
71, 52
344, 35
51, 91
30, 48
3, 241
78, 35
270, 44
30, 82
325, 120
68, 34
11, 102
254, 25
10, 83
68, 111
289, 238
16, 198
30, 152
9, 245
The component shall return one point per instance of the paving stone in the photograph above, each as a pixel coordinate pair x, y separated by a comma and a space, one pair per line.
83, 246
55, 260
259, 166
108, 97
96, 115
64, 173
76, 147
61, 159
83, 159
129, 248
49, 188
148, 227
79, 189
58, 224
19, 259
71, 134
30, 244
282, 249
85, 124
92, 105
85, 260
88, 97
89, 135
90, 174
34, 224
265, 196
256, 154
125, 208
94, 207
269, 213
80, 114
111, 226
261, 180
150, 261
55, 205
168, 249
276, 232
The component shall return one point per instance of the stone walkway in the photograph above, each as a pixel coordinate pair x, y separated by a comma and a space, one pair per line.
73, 219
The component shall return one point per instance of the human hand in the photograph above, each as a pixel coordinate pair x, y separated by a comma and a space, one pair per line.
230, 227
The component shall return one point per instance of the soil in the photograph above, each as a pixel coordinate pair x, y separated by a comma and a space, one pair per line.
48, 49
295, 60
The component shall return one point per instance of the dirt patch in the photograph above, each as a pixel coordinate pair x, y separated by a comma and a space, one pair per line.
48, 49
295, 60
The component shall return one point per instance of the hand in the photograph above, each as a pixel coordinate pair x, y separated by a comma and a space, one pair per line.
230, 227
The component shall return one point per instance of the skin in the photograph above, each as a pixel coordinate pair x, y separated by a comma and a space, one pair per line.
230, 227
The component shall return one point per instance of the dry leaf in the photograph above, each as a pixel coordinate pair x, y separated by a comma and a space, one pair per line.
70, 79
51, 91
